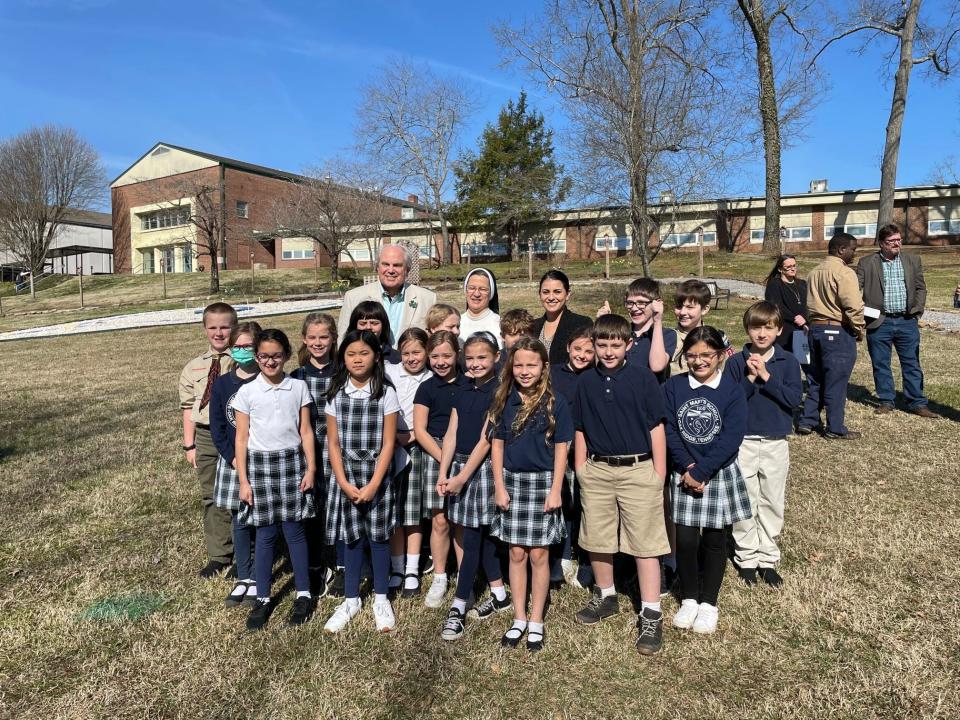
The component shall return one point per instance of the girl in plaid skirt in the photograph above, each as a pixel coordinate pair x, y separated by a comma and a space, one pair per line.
706, 421
315, 357
466, 479
276, 465
432, 407
533, 430
226, 485
405, 543
362, 409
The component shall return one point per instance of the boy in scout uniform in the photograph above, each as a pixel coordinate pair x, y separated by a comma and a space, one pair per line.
196, 386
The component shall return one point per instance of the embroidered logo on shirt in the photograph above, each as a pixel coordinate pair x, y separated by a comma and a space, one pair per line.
699, 421
231, 413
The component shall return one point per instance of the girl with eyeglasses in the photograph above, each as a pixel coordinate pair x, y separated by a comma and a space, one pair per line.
276, 462
789, 293
706, 421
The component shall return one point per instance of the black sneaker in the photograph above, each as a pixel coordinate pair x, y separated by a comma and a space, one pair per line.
804, 430
490, 606
650, 639
748, 576
338, 584
453, 627
598, 608
258, 617
302, 611
212, 569
848, 435
771, 577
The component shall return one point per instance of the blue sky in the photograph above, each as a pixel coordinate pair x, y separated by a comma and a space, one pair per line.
276, 83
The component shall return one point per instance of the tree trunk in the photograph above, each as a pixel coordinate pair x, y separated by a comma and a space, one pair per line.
335, 267
755, 14
639, 220
447, 240
891, 148
214, 274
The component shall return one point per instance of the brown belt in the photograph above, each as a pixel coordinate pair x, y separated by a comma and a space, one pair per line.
825, 322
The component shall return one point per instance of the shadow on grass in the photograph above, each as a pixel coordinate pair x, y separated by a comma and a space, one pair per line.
862, 395
6, 452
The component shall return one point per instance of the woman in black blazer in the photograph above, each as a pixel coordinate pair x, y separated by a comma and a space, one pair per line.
789, 293
558, 322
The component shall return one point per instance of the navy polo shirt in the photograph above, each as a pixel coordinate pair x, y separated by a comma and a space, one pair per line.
770, 404
223, 425
617, 410
436, 394
564, 380
639, 353
472, 404
529, 451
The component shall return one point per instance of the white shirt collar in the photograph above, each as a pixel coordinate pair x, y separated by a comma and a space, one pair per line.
694, 383
285, 384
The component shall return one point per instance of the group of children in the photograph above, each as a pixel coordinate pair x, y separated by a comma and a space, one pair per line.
631, 446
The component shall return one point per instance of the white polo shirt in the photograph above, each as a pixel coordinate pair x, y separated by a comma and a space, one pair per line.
274, 411
406, 385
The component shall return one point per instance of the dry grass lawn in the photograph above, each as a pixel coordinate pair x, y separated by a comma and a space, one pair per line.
99, 506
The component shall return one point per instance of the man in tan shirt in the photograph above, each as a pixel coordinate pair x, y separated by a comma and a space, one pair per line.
836, 326
195, 387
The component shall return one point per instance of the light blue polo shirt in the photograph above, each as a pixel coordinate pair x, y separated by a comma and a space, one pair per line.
394, 308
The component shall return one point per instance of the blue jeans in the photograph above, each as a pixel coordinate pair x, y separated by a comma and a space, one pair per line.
833, 353
903, 334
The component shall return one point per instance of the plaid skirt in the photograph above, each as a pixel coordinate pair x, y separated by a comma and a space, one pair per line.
431, 475
723, 502
275, 477
348, 522
409, 489
226, 487
474, 506
524, 522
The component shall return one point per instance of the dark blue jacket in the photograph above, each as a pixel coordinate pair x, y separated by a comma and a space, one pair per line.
223, 426
770, 404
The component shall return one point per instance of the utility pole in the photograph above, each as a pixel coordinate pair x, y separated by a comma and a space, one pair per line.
700, 250
606, 253
530, 259
80, 279
252, 269
163, 272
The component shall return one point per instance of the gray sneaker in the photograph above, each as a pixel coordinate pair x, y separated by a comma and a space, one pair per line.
598, 608
650, 625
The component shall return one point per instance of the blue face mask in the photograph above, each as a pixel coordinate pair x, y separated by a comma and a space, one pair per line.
242, 356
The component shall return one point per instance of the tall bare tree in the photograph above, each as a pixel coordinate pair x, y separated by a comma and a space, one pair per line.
335, 205
44, 174
410, 121
784, 88
640, 82
917, 41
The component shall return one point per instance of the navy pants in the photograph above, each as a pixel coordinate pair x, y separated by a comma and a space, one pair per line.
243, 539
478, 547
833, 353
299, 556
902, 333
354, 554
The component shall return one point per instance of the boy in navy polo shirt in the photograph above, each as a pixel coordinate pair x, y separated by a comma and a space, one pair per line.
770, 377
653, 345
620, 456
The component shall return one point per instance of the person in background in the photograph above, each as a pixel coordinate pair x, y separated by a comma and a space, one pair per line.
789, 294
894, 294
653, 345
515, 324
443, 317
691, 303
483, 304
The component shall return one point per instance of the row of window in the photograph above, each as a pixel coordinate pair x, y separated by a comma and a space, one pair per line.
690, 238
943, 227
168, 260
170, 217
298, 254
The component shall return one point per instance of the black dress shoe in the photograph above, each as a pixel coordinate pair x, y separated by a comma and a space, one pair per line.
747, 575
258, 617
848, 435
511, 638
771, 577
535, 640
213, 568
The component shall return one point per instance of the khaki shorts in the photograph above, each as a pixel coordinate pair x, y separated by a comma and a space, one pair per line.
622, 510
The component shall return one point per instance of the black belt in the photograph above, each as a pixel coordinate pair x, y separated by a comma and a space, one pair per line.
201, 426
896, 315
621, 460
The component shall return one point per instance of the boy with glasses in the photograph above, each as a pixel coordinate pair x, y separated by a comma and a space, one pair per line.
653, 345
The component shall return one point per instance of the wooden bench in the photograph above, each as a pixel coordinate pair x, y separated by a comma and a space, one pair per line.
717, 294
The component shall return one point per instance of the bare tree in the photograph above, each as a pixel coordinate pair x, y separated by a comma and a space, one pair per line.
334, 205
410, 121
945, 172
784, 88
917, 41
641, 84
44, 174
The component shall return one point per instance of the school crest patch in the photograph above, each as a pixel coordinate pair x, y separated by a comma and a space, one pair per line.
699, 421
231, 413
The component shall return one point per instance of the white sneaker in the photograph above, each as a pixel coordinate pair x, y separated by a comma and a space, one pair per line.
384, 617
436, 593
706, 621
345, 612
686, 615
569, 568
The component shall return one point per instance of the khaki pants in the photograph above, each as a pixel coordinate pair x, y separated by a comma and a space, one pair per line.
764, 464
217, 527
622, 510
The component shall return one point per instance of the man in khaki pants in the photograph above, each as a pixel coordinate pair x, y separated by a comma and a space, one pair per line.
195, 387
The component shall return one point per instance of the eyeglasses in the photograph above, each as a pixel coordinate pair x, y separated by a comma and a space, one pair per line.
697, 357
275, 358
638, 304
892, 240
481, 290
248, 346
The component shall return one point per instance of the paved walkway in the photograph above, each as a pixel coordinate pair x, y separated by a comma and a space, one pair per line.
166, 317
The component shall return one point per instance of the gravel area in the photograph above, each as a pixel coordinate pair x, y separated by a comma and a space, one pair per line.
166, 317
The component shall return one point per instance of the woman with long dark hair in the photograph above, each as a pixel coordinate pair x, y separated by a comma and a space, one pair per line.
558, 322
789, 294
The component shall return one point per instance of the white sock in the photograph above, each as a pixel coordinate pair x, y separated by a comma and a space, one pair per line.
252, 590
238, 591
653, 606
303, 593
412, 582
516, 630
460, 605
378, 598
535, 628
265, 601
608, 592
499, 592
413, 565
440, 576
353, 602
396, 563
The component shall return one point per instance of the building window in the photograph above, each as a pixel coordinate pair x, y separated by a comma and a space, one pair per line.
859, 230
796, 234
148, 260
406, 213
612, 243
187, 258
298, 254
682, 239
548, 247
358, 254
171, 217
243, 209
475, 250
167, 256
943, 227
756, 236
